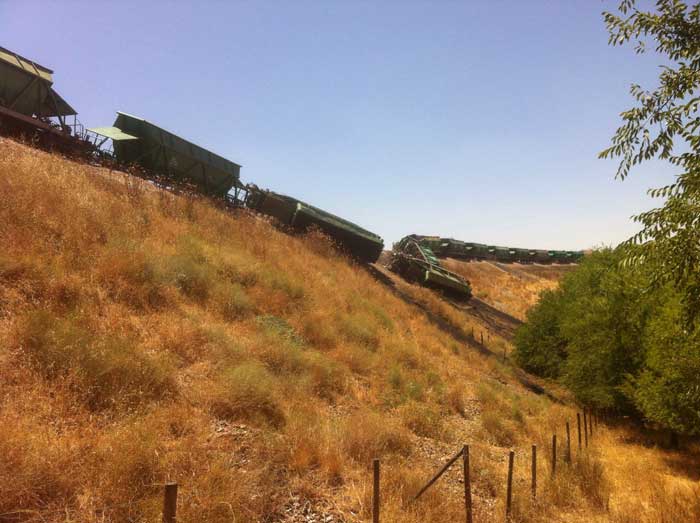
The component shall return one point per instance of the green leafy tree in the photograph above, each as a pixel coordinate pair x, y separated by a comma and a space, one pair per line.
667, 391
603, 324
540, 347
665, 124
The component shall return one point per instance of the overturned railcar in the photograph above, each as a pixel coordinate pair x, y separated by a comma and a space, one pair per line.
360, 243
138, 141
415, 261
31, 107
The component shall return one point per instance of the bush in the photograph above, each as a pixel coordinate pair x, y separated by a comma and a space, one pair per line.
111, 370
422, 420
132, 276
539, 344
325, 377
189, 271
232, 302
618, 342
455, 400
497, 426
249, 393
368, 435
359, 329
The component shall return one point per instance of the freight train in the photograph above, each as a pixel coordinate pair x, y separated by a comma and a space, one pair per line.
449, 248
31, 107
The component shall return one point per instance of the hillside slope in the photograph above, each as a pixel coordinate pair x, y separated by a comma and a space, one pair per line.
510, 287
148, 337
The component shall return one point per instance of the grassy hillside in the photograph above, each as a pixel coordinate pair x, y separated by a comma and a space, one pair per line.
513, 287
146, 337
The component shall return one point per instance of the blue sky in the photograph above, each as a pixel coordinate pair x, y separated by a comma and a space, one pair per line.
476, 120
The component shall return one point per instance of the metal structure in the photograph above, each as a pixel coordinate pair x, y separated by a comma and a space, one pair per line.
450, 248
360, 243
137, 141
30, 106
415, 261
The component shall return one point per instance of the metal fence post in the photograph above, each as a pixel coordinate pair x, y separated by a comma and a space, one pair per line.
554, 454
568, 443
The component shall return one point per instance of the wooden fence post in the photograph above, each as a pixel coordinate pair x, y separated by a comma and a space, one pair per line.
585, 428
534, 472
170, 503
568, 443
439, 474
509, 487
578, 422
554, 454
375, 497
467, 484
482, 337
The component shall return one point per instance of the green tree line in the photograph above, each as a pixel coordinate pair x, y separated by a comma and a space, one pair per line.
618, 342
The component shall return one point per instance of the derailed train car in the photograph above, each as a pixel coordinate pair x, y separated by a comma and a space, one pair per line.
360, 243
138, 141
32, 108
161, 152
450, 248
415, 261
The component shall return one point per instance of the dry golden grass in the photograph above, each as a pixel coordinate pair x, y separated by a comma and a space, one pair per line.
146, 337
511, 288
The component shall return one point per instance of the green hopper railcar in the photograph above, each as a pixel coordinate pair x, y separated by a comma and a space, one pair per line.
138, 141
449, 248
360, 243
30, 106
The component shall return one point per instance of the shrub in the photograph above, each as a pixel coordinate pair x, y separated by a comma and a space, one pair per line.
319, 331
422, 420
278, 280
111, 370
189, 271
325, 377
356, 358
249, 393
455, 400
132, 276
359, 329
497, 427
232, 302
311, 445
276, 327
367, 435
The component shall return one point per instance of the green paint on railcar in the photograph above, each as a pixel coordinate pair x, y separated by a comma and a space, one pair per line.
359, 242
26, 88
138, 141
